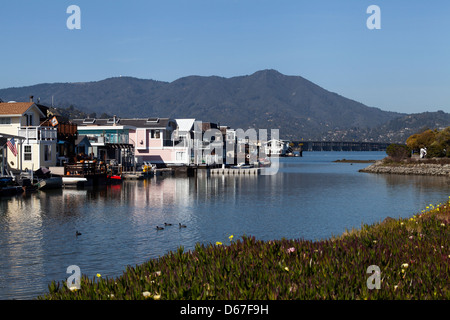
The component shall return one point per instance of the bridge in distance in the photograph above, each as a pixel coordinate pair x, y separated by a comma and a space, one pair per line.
338, 146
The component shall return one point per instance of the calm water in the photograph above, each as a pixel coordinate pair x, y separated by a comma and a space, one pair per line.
311, 198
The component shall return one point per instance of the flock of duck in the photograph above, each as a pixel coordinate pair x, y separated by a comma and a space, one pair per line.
169, 224
157, 227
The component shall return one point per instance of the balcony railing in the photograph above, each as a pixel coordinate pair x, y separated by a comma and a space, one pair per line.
38, 133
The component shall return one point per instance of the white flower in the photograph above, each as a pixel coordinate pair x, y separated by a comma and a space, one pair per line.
405, 265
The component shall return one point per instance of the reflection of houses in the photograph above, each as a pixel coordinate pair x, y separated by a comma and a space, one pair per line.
36, 146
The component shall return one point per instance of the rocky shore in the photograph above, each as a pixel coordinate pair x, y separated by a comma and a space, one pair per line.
428, 169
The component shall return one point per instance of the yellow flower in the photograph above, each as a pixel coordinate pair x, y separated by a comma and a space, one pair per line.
231, 237
286, 268
98, 275
157, 297
218, 243
405, 265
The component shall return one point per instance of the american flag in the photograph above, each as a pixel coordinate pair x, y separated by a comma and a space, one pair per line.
12, 146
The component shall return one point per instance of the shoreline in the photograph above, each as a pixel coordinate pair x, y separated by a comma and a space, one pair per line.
354, 161
423, 169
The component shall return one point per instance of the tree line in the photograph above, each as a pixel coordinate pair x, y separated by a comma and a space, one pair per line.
436, 142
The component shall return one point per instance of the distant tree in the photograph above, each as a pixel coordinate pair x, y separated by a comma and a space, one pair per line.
435, 151
105, 116
421, 140
436, 142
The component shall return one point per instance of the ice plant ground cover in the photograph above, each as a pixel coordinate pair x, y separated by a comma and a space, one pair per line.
413, 256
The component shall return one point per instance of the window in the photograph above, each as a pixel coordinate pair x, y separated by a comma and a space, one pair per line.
27, 155
6, 120
29, 118
180, 156
47, 152
155, 134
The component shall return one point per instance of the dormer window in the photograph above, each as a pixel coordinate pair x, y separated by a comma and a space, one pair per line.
153, 120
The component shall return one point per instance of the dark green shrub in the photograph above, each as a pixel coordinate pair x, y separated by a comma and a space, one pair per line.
398, 151
435, 151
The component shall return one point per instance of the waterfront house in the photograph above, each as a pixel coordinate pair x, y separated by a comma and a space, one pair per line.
143, 139
3, 148
67, 135
277, 147
109, 140
162, 141
83, 145
35, 144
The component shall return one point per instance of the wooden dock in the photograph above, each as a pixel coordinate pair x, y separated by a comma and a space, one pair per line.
233, 171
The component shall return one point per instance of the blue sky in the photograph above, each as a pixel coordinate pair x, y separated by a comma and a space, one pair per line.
403, 67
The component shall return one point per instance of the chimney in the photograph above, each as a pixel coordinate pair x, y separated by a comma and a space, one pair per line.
31, 98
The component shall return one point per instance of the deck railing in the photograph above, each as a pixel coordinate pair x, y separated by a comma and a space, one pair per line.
85, 168
38, 133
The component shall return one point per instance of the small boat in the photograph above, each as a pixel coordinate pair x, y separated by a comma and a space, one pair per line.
10, 191
74, 181
50, 183
114, 179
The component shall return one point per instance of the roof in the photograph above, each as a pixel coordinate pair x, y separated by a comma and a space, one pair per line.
10, 108
138, 123
82, 138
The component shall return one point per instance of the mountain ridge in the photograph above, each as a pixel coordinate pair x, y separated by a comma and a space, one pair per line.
266, 99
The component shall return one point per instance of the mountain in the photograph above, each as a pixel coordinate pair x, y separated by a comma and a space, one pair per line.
265, 99
399, 129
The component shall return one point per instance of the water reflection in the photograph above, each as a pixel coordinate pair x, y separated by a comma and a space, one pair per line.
311, 197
